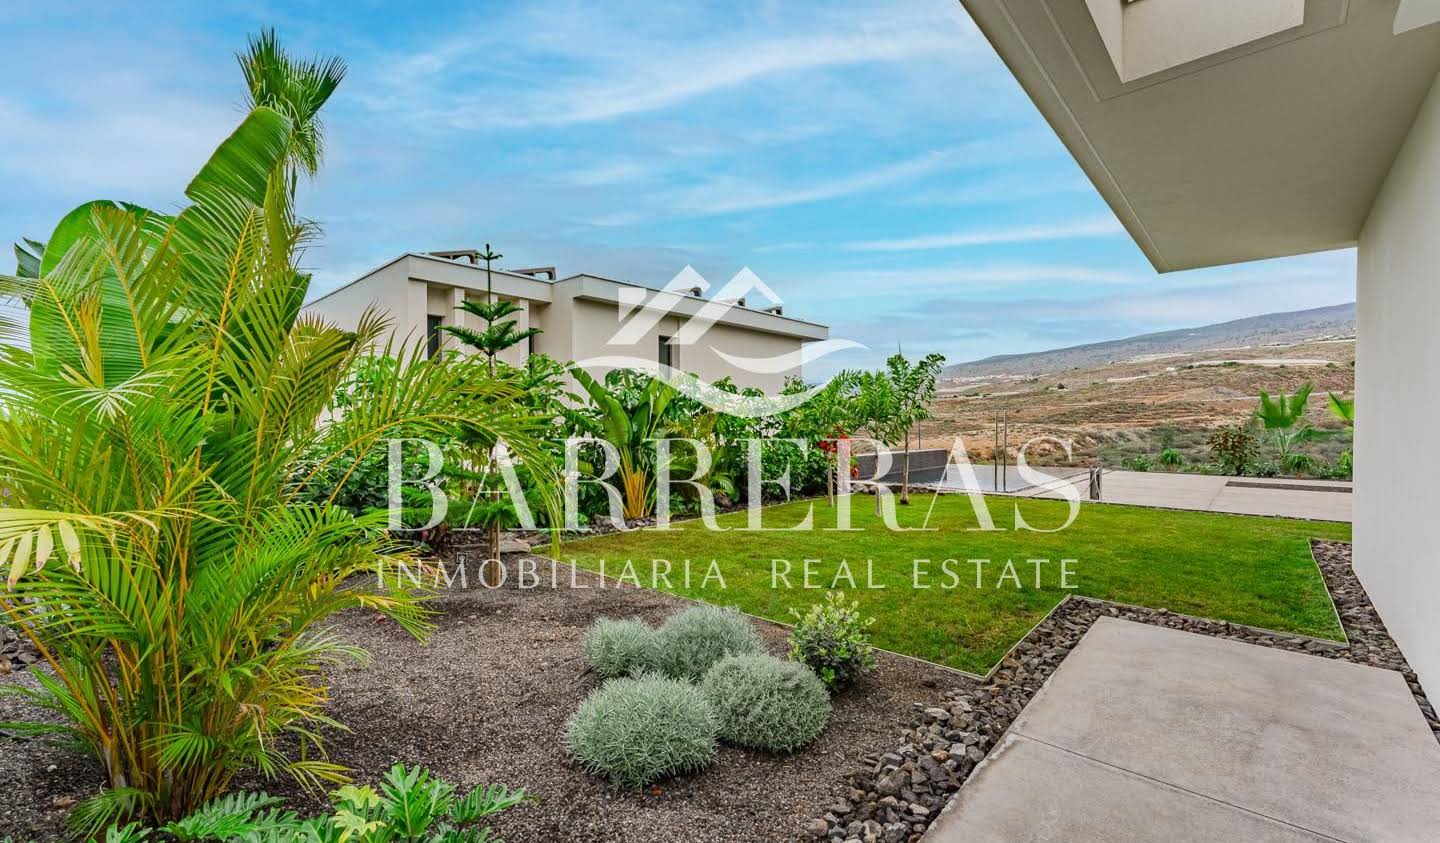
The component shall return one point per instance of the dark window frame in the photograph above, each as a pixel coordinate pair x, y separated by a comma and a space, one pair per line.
433, 324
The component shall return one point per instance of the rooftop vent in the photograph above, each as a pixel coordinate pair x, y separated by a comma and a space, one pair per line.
740, 302
777, 309
471, 255
546, 272
696, 292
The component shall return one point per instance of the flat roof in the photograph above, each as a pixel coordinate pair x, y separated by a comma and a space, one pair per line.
589, 287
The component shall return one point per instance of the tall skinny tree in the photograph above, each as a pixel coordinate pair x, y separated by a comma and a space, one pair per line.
499, 334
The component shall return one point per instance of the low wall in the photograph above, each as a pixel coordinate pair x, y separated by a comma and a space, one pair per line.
930, 460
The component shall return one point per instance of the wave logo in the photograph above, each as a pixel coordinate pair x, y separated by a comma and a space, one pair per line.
681, 306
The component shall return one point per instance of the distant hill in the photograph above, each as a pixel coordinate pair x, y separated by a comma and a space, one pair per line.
1271, 328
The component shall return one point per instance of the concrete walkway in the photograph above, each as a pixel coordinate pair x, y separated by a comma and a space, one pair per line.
1325, 500
1146, 733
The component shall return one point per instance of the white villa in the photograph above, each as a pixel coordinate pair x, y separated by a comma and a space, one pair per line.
596, 321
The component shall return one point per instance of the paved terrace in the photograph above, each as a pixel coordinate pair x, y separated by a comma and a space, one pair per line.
1146, 733
1323, 500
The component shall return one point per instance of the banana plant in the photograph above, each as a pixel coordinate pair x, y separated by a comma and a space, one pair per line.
632, 431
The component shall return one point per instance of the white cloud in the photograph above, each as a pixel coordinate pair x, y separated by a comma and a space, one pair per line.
723, 196
138, 150
601, 65
1076, 229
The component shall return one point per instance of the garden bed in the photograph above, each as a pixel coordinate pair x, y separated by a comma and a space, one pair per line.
487, 700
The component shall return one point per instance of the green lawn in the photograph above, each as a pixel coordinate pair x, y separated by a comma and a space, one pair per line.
1244, 569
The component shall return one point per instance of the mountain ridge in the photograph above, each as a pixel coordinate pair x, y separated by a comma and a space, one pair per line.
1264, 329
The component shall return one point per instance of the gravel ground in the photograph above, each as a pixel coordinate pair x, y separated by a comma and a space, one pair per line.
487, 700
897, 793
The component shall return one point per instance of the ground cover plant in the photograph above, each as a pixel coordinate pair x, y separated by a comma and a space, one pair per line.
409, 805
1242, 569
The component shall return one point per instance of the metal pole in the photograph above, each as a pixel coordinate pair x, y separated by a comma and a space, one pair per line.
1005, 448
995, 455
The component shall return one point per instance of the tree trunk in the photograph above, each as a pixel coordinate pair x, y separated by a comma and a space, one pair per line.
490, 575
905, 473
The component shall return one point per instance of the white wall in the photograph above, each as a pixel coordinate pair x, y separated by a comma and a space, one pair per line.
1397, 500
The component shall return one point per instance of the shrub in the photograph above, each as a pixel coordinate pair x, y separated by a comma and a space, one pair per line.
1171, 459
636, 730
1235, 448
762, 702
831, 639
620, 647
1139, 462
694, 639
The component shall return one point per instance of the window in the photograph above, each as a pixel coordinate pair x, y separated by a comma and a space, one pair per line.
432, 334
666, 359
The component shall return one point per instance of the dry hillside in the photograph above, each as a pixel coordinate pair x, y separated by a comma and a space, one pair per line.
1116, 409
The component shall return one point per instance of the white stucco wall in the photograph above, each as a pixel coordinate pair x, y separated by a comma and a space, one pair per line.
1398, 389
578, 321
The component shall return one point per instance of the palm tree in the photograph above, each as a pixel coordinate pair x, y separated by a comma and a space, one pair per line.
1284, 418
158, 554
297, 89
1344, 409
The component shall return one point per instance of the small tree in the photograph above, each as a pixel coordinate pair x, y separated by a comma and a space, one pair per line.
499, 334
914, 387
878, 410
1171, 459
1234, 448
823, 420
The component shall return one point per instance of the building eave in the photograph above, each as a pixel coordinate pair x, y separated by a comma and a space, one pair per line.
1254, 152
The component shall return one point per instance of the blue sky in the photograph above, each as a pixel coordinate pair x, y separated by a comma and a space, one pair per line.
873, 162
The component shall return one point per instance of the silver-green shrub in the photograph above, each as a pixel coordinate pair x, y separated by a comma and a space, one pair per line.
765, 703
693, 639
619, 647
639, 729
